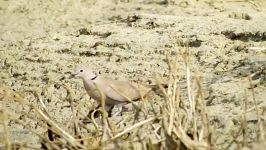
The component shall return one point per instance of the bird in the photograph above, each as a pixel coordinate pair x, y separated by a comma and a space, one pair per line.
115, 92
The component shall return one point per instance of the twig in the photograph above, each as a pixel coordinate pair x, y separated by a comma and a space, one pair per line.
254, 4
192, 115
204, 114
234, 138
61, 132
46, 117
133, 127
74, 113
54, 146
4, 119
260, 133
106, 129
191, 144
244, 121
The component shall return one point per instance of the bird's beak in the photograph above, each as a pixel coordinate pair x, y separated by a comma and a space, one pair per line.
73, 75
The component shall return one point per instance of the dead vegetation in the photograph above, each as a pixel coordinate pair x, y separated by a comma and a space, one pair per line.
38, 47
180, 123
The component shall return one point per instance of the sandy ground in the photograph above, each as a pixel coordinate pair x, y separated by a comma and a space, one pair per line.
41, 42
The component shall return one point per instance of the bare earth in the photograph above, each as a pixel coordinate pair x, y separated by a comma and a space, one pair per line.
41, 42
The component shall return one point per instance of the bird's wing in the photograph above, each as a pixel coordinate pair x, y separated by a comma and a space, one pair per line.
122, 91
116, 90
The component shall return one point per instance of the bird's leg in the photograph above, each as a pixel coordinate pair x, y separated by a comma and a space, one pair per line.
109, 110
96, 113
119, 109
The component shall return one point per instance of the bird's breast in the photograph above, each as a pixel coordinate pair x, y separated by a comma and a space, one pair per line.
92, 90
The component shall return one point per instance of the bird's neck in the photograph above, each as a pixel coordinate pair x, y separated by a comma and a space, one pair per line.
89, 83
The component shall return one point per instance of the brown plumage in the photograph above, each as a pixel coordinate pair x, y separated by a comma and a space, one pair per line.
115, 91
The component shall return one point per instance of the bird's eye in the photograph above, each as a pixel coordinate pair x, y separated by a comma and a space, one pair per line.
80, 70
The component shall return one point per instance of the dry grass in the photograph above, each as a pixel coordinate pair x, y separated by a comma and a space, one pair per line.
180, 124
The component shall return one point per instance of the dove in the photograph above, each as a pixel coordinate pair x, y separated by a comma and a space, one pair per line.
115, 92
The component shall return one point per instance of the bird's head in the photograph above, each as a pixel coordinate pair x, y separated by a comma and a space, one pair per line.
84, 73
